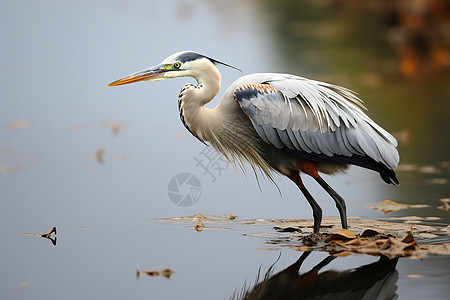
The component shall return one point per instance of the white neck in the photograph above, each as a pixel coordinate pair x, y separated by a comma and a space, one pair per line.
197, 118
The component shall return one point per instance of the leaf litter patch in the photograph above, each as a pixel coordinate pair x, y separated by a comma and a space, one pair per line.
388, 206
364, 236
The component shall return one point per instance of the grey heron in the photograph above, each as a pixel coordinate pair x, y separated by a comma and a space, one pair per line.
279, 123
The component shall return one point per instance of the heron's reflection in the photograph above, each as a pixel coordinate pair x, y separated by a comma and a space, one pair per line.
377, 280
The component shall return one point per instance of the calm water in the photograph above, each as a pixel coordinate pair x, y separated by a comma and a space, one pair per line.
97, 162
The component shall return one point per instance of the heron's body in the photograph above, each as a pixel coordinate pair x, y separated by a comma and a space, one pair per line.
279, 123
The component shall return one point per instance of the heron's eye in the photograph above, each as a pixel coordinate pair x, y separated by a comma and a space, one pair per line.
177, 65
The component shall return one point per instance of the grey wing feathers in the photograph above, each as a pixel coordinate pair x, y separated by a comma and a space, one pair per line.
312, 116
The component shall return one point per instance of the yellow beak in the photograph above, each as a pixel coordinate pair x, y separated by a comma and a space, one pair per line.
152, 74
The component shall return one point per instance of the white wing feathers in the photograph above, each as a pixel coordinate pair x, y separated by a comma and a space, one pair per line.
312, 116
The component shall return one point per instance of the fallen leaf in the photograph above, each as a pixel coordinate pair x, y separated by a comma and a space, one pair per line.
445, 204
412, 275
409, 238
377, 244
369, 233
8, 169
388, 206
231, 216
99, 155
342, 234
18, 124
114, 126
199, 226
199, 216
287, 229
51, 235
165, 273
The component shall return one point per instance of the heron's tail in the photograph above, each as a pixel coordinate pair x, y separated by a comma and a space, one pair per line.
389, 176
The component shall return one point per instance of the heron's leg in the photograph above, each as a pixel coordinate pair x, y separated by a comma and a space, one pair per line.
317, 211
324, 262
295, 267
340, 203
310, 168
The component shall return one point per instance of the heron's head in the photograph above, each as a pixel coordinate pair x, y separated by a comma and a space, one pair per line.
181, 64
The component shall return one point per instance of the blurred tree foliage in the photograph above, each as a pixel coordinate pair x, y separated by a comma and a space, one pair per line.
394, 53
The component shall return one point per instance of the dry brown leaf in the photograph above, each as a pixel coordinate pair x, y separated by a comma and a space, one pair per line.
287, 229
199, 226
18, 124
51, 235
200, 216
390, 247
445, 206
369, 233
412, 275
388, 206
166, 273
341, 234
8, 169
114, 126
99, 155
231, 216
382, 237
345, 233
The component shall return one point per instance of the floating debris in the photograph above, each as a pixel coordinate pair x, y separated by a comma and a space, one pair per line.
377, 237
231, 216
388, 206
199, 226
445, 204
412, 275
165, 273
99, 155
341, 234
390, 247
51, 235
18, 124
287, 229
114, 126
9, 169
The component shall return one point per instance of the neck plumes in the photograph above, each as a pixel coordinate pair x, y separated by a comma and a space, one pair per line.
198, 119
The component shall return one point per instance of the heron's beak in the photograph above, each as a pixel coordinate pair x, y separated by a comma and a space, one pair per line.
152, 74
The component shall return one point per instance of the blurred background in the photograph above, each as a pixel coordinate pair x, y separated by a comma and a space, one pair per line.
96, 161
